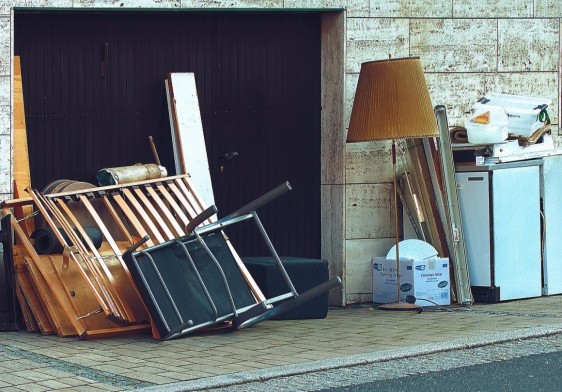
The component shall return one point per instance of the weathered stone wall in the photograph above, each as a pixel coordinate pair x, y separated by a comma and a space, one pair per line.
468, 48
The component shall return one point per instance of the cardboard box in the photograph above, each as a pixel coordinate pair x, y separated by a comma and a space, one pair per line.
425, 280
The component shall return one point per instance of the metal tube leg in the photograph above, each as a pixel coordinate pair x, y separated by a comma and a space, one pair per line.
274, 253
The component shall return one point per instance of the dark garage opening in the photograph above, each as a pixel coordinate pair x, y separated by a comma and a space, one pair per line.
94, 91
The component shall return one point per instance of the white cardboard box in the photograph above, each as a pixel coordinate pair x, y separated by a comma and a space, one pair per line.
425, 280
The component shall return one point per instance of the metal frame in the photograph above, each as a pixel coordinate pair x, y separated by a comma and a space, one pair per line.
455, 237
241, 318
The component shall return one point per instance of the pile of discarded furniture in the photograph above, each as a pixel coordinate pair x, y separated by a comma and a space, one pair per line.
142, 253
138, 257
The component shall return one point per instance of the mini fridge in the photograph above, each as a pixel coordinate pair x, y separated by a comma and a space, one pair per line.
500, 210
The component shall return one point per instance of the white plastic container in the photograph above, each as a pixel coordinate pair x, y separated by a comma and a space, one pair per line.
496, 131
523, 112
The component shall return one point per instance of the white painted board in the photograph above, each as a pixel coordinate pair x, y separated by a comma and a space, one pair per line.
190, 151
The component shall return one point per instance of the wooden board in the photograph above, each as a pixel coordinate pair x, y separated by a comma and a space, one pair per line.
31, 299
96, 324
187, 132
22, 175
27, 315
46, 290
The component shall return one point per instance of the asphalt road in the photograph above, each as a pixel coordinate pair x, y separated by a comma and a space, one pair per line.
539, 372
521, 365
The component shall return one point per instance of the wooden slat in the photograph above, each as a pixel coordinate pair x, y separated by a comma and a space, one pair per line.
131, 217
177, 209
165, 211
247, 276
191, 213
196, 195
99, 278
117, 220
53, 227
191, 200
125, 283
152, 211
156, 236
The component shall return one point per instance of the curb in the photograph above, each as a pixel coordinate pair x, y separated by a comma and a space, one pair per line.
355, 360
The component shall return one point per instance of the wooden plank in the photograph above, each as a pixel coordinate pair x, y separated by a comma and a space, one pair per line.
245, 273
165, 211
21, 175
152, 211
117, 332
193, 189
156, 236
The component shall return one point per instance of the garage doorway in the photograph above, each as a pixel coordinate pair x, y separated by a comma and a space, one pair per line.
94, 92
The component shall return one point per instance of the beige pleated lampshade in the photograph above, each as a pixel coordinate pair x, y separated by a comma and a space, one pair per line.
391, 102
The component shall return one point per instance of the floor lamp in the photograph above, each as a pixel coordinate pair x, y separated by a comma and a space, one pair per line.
392, 102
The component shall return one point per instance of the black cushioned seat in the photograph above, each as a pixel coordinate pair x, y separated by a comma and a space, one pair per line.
304, 273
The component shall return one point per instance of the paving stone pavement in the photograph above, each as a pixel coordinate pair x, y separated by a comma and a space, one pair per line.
390, 370
348, 336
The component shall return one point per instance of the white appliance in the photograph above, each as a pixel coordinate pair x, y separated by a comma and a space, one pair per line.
551, 195
500, 209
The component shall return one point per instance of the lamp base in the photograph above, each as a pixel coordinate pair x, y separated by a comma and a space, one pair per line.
400, 306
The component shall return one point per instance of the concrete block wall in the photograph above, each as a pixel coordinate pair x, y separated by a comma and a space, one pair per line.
467, 47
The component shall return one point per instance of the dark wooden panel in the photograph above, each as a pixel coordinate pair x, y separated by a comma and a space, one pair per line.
258, 79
